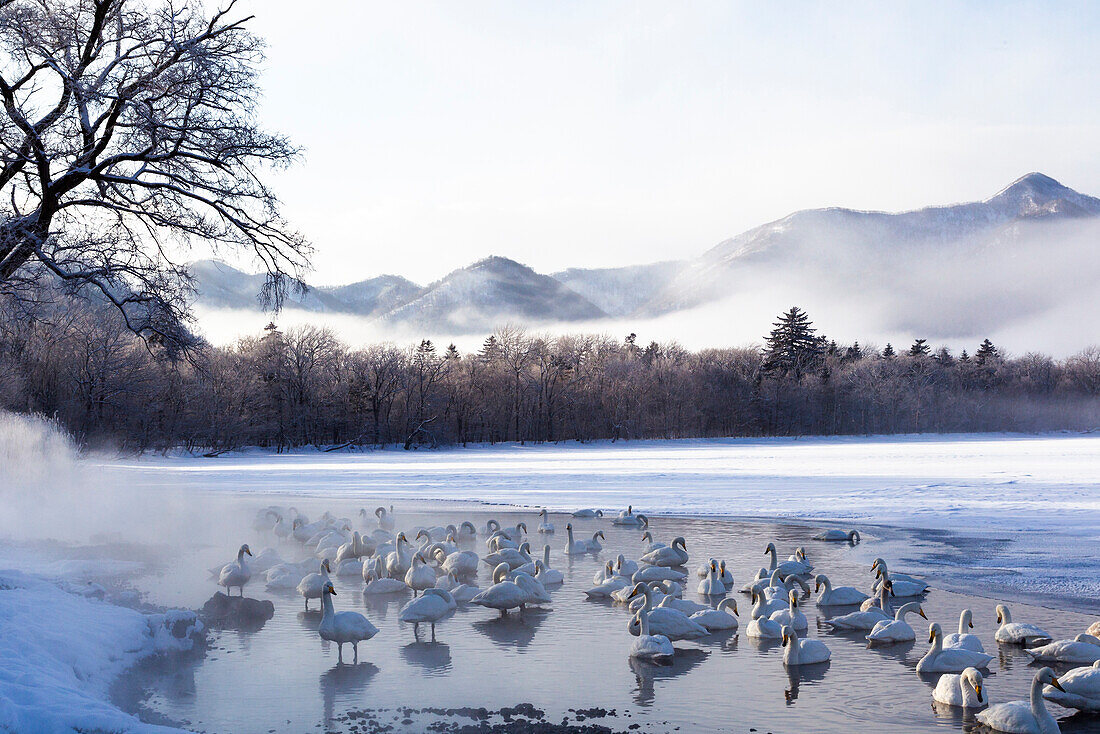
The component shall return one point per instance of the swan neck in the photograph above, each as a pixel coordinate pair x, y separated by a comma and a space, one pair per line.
326, 606
546, 556
1038, 707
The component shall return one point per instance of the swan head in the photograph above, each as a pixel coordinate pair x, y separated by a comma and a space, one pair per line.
1085, 637
501, 572
644, 519
297, 523
329, 589
974, 678
423, 533
521, 525
679, 541
1003, 617
769, 549
877, 563
363, 512
245, 550
853, 536
639, 589
819, 581
379, 512
789, 635
752, 595
713, 566
1046, 675
599, 513
966, 619
722, 567
569, 526
600, 534
730, 604
793, 596
629, 509
934, 631
647, 536
401, 538
325, 566
609, 568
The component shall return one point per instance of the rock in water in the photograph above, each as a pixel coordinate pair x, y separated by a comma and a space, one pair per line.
237, 611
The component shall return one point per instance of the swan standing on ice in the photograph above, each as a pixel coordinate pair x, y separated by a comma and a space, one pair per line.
950, 660
655, 648
963, 639
897, 629
341, 627
313, 585
836, 596
1081, 650
1024, 717
852, 536
802, 652
545, 526
963, 690
236, 573
432, 606
1018, 633
1080, 689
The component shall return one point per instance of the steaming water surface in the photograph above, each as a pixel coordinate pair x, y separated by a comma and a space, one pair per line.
283, 678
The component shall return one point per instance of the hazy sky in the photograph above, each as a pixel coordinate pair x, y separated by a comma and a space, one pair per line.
603, 133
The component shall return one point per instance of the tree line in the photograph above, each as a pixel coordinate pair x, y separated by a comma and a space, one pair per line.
79, 363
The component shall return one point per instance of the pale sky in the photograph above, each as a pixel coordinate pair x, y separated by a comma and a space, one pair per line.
595, 134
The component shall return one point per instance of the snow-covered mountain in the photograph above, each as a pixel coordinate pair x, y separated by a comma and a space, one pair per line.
941, 271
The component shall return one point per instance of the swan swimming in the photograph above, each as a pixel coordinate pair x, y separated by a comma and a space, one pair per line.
791, 617
574, 547
762, 627
852, 536
963, 690
588, 513
964, 639
718, 619
236, 573
1081, 650
836, 595
949, 660
1024, 717
673, 624
802, 652
1018, 633
545, 526
667, 556
1080, 689
655, 648
343, 627
896, 629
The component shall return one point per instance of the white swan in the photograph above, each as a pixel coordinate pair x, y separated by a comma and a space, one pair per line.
802, 652
466, 531
385, 519
1081, 650
628, 518
868, 615
903, 582
1023, 717
762, 627
950, 660
624, 567
503, 594
673, 624
313, 585
1018, 633
787, 568
650, 543
718, 619
881, 600
491, 526
588, 513
399, 561
963, 639
688, 607
574, 547
658, 573
1080, 689
420, 575
594, 545
432, 606
712, 585
963, 690
378, 584
852, 536
607, 587
545, 526
343, 627
836, 595
548, 576
896, 629
752, 584
536, 592
236, 573
791, 617
669, 555
655, 648
725, 576
460, 563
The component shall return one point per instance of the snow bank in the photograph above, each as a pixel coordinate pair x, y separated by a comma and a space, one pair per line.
61, 651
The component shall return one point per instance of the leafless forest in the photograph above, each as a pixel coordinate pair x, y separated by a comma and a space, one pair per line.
81, 365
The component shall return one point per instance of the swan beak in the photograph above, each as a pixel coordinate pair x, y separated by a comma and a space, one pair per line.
1054, 682
784, 639
998, 618
931, 636
248, 551
970, 624
978, 689
921, 613
332, 591
817, 587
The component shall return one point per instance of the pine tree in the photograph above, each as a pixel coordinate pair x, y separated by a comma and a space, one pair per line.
452, 352
943, 356
832, 350
964, 357
792, 348
888, 352
920, 348
986, 352
854, 352
490, 350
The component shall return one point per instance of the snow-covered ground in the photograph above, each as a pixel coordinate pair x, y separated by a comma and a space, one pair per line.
1029, 504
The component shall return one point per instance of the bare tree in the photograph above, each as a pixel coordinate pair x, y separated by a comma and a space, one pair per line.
128, 129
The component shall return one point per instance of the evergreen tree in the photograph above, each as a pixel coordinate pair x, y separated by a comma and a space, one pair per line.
452, 352
888, 352
490, 350
832, 350
792, 348
964, 357
920, 348
943, 356
854, 352
986, 352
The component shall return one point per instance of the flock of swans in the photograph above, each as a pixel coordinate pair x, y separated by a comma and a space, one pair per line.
440, 567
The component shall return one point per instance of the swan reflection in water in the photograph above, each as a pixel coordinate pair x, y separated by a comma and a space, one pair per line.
433, 657
960, 718
647, 672
344, 680
513, 631
798, 674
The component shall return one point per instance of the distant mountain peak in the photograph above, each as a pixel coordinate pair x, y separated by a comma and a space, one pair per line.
1037, 194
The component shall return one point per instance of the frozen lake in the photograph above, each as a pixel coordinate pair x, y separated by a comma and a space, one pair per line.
986, 518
